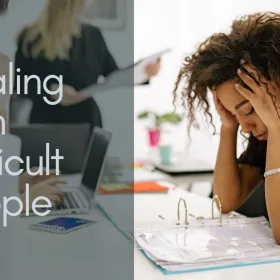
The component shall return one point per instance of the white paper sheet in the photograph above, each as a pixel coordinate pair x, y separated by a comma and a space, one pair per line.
177, 249
133, 75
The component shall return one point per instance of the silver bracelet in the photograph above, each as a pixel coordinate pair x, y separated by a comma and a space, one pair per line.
271, 172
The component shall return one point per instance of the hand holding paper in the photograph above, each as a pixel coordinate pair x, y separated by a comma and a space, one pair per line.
148, 67
144, 71
138, 73
153, 69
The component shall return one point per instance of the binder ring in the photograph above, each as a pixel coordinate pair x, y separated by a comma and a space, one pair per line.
216, 198
186, 211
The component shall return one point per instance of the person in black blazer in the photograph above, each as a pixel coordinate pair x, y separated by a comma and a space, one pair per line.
57, 44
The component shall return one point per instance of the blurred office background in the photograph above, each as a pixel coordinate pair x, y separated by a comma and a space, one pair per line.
181, 25
157, 24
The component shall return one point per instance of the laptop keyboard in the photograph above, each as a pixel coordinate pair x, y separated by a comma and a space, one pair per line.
71, 201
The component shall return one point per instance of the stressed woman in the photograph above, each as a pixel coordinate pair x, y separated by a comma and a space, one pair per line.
242, 70
57, 43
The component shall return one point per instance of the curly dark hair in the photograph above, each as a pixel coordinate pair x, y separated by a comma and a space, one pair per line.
255, 38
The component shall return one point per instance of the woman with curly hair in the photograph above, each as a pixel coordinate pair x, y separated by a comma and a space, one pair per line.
242, 70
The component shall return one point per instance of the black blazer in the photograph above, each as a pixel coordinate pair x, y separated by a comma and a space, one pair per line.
89, 59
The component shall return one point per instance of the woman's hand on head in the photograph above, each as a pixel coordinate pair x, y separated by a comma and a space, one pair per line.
262, 95
70, 95
227, 119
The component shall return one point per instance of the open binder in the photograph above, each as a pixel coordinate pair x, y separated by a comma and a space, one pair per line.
199, 243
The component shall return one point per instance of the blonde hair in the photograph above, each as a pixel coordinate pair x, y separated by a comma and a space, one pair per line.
52, 33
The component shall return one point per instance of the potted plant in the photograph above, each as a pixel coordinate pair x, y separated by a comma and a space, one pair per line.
158, 121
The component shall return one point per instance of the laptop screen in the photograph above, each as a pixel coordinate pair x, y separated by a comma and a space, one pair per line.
95, 157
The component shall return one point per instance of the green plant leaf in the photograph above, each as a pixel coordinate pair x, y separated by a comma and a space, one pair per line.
171, 118
143, 115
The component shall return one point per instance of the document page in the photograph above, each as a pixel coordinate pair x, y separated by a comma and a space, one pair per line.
129, 76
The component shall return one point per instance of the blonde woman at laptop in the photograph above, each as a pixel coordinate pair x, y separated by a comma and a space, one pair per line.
58, 44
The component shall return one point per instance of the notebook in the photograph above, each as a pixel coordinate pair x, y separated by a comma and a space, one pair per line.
137, 187
201, 244
145, 187
194, 243
62, 225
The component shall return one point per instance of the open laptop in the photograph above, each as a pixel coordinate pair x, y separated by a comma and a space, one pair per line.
60, 136
77, 200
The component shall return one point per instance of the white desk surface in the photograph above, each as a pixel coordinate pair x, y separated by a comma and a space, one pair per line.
96, 252
52, 256
141, 174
